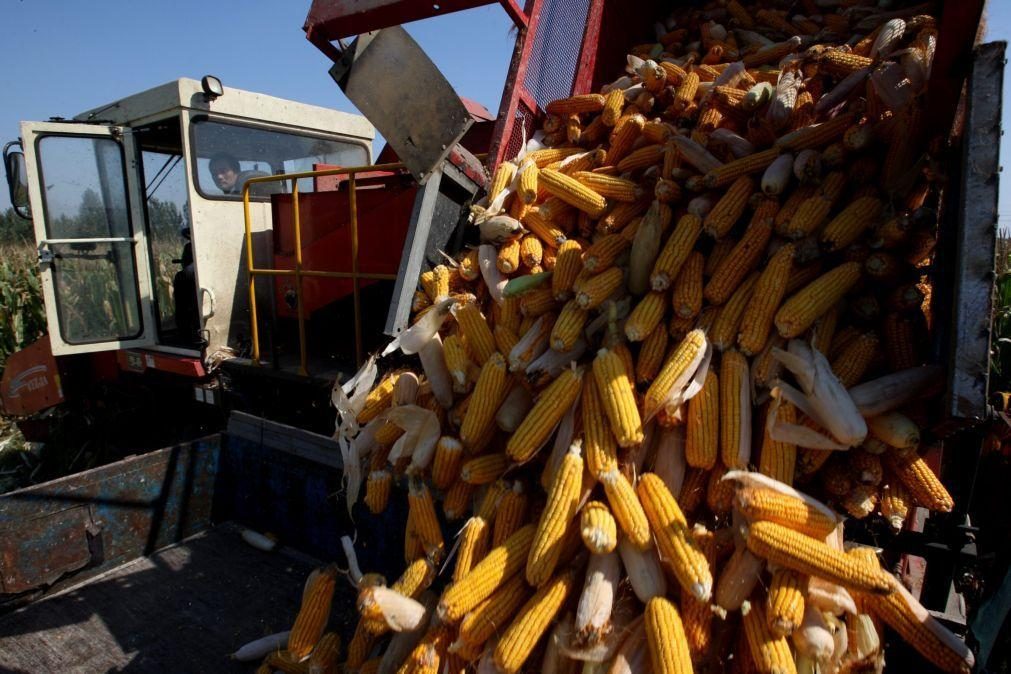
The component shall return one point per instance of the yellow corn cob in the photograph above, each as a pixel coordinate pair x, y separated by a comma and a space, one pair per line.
728, 319
644, 157
429, 653
568, 264
601, 254
697, 615
598, 441
611, 187
532, 622
732, 171
702, 427
895, 504
767, 504
473, 546
592, 291
509, 314
803, 308
623, 216
625, 507
540, 225
378, 399
457, 361
771, 655
651, 354
686, 297
528, 183
853, 221
626, 131
475, 331
674, 541
852, 362
785, 602
817, 135
685, 93
717, 255
646, 315
511, 514
551, 406
489, 392
900, 342
284, 661
614, 103
745, 256
531, 250
413, 547
598, 528
812, 212
494, 613
656, 132
665, 635
576, 105
735, 408
435, 282
446, 465
499, 565
617, 398
824, 329
469, 268
675, 252
360, 645
314, 614
387, 434
841, 63
756, 322
896, 609
505, 338
324, 657
921, 481
765, 369
508, 260
420, 302
693, 490
484, 469
572, 192
502, 178
426, 522
788, 210
537, 302
568, 326
793, 550
683, 355
377, 491
563, 500
730, 207
777, 458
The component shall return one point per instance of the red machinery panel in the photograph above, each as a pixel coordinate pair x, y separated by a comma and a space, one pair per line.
384, 204
31, 382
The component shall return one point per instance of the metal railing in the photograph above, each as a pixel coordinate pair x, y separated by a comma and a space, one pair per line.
298, 272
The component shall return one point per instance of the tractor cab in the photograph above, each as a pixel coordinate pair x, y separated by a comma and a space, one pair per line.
138, 210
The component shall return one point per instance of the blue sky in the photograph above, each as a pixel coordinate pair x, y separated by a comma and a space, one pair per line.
65, 56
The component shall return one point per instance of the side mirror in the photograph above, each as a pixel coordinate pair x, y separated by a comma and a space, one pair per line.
17, 179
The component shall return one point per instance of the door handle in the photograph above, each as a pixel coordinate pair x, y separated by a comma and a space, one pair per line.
204, 313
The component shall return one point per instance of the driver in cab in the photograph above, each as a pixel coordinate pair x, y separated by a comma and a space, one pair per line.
230, 178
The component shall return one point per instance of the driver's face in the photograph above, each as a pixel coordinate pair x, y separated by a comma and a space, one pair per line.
224, 177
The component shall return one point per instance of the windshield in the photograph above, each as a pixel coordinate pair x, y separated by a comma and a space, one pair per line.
229, 154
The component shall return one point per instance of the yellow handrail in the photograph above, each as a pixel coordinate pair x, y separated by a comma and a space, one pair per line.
298, 272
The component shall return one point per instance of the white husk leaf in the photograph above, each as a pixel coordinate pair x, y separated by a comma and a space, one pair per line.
487, 257
414, 338
403, 642
593, 614
633, 654
513, 409
259, 541
433, 362
531, 345
402, 614
261, 647
418, 424
642, 568
796, 434
829, 597
813, 638
669, 464
893, 390
354, 570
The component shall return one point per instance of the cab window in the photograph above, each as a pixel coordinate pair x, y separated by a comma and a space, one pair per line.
228, 154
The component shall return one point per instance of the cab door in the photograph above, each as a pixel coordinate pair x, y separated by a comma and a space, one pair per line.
85, 192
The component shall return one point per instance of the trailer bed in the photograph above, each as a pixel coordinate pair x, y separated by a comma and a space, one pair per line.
182, 609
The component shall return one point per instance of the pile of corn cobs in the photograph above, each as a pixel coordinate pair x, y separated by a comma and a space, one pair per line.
700, 303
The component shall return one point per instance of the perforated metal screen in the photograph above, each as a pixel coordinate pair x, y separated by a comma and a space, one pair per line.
555, 53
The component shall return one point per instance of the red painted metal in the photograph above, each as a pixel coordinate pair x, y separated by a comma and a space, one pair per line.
384, 205
140, 360
511, 94
31, 382
515, 12
329, 20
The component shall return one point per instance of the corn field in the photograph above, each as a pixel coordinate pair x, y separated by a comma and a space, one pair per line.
22, 314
